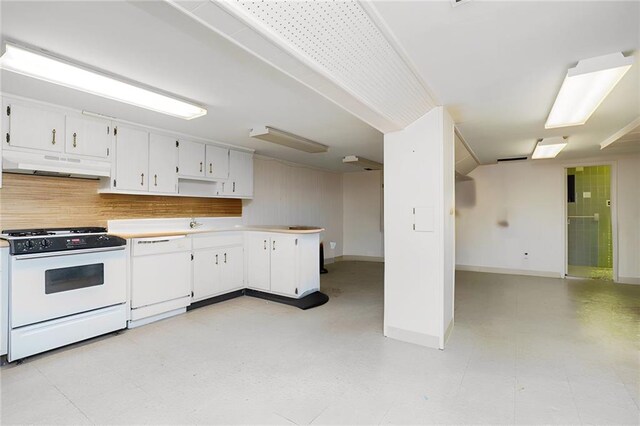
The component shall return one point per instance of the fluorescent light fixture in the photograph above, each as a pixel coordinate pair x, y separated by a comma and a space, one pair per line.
585, 87
287, 139
53, 70
362, 162
549, 147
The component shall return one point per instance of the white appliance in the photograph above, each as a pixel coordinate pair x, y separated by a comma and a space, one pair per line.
53, 164
64, 286
160, 278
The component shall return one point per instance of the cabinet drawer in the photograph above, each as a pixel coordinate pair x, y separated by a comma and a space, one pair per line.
157, 245
218, 239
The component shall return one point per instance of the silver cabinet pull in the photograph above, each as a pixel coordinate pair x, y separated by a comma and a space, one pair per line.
216, 259
53, 137
155, 180
273, 244
234, 187
210, 167
142, 179
265, 244
225, 258
201, 167
75, 135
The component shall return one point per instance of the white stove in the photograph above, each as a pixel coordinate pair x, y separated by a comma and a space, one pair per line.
65, 285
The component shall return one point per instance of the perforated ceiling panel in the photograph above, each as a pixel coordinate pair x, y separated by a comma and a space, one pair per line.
341, 41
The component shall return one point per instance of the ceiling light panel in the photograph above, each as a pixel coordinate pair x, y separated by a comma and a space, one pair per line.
287, 139
365, 163
35, 64
339, 40
549, 148
585, 87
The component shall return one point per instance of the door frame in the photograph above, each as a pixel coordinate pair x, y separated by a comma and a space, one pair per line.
614, 211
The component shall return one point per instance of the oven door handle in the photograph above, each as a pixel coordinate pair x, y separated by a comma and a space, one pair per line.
66, 253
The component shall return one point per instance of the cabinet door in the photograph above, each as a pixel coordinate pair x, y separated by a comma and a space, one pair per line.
240, 183
283, 265
163, 160
191, 158
87, 136
258, 255
36, 128
206, 273
217, 162
132, 159
159, 278
233, 268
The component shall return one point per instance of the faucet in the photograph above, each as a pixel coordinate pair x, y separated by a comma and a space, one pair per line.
193, 224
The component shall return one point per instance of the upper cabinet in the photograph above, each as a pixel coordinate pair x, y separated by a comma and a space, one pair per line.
132, 159
163, 164
88, 136
217, 162
191, 157
37, 128
240, 182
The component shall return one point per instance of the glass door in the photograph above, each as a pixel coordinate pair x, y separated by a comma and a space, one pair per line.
589, 235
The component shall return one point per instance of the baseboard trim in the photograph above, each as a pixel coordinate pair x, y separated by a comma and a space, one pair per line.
546, 274
414, 337
355, 258
628, 280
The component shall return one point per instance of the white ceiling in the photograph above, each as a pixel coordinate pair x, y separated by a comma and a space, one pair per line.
153, 43
498, 66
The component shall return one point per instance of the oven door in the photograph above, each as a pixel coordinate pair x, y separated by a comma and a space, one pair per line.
46, 286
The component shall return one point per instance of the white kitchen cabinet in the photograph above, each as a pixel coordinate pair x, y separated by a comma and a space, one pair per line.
240, 182
163, 163
282, 263
258, 255
88, 136
132, 159
34, 127
217, 271
217, 162
191, 157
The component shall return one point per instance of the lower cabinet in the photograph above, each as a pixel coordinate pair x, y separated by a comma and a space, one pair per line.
285, 264
217, 271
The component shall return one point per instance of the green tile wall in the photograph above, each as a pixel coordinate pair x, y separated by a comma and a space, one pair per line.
590, 241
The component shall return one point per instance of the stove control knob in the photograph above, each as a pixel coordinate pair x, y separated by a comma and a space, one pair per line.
28, 244
45, 243
103, 238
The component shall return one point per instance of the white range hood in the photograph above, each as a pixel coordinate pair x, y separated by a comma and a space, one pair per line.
53, 165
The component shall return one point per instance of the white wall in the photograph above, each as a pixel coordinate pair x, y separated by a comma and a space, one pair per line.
418, 283
362, 204
289, 194
511, 208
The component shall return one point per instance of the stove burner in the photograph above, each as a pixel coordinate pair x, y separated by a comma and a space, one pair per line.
53, 231
28, 233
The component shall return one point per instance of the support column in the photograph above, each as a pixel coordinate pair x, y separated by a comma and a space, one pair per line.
419, 237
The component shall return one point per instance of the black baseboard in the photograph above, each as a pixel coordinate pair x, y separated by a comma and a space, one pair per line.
309, 301
216, 299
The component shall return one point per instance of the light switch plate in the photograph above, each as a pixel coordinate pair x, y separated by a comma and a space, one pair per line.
586, 195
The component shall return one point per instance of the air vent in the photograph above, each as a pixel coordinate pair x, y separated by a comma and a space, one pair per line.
500, 160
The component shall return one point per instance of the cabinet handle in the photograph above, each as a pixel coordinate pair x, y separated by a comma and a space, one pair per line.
53, 137
273, 244
216, 259
75, 135
155, 180
201, 167
225, 258
210, 167
142, 179
234, 187
265, 244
